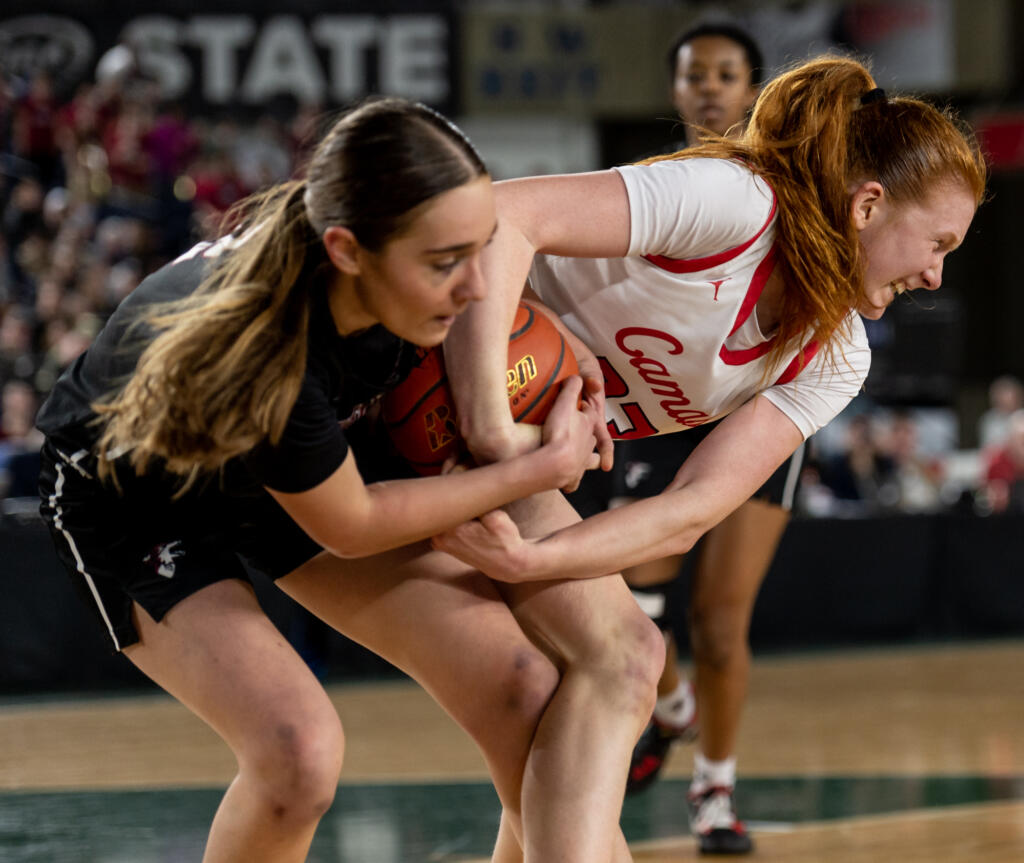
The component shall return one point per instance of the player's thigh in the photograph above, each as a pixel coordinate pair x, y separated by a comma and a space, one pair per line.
218, 653
432, 616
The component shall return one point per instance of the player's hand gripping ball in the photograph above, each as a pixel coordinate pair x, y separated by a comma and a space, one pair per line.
419, 414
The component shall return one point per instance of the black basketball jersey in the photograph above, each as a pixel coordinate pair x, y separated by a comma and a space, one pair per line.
343, 377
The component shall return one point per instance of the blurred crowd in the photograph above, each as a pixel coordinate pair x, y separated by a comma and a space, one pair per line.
101, 186
873, 461
98, 188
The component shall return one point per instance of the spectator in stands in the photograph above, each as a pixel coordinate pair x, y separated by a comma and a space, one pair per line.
857, 475
916, 480
34, 129
1004, 475
26, 232
172, 144
96, 197
813, 497
216, 187
17, 359
19, 440
1005, 395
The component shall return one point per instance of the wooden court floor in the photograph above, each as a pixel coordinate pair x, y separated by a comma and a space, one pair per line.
901, 754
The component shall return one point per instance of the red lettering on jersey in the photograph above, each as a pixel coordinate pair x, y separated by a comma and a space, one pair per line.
614, 386
716, 284
641, 426
622, 335
654, 373
689, 418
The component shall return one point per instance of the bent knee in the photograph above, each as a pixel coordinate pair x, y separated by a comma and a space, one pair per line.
530, 685
645, 652
718, 637
515, 696
297, 766
628, 663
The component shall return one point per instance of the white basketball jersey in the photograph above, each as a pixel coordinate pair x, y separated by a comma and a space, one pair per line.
673, 323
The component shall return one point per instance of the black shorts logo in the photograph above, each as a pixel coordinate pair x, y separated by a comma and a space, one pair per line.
162, 557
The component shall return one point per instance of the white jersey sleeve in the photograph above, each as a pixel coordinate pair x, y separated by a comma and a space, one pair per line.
828, 384
689, 208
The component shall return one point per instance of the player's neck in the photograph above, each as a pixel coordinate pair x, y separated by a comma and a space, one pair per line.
344, 298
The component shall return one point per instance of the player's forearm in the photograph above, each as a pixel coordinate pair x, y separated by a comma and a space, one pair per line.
709, 486
404, 511
476, 349
614, 540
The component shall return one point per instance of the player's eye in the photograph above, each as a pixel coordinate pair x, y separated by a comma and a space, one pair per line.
447, 265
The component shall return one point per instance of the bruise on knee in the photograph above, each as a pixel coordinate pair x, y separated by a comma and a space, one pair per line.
531, 685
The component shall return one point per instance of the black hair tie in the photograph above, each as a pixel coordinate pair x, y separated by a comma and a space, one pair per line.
872, 96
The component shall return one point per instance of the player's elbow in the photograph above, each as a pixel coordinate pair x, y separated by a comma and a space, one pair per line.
350, 539
348, 552
690, 522
344, 546
684, 541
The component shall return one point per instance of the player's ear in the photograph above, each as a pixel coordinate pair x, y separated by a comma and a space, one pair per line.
342, 248
866, 203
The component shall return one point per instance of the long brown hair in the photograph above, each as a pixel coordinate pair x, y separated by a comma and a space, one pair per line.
226, 363
810, 136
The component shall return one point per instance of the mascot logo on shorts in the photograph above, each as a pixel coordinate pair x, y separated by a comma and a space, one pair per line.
161, 557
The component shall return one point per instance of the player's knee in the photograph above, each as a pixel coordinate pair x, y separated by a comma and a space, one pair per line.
718, 636
648, 651
518, 694
629, 664
527, 687
298, 764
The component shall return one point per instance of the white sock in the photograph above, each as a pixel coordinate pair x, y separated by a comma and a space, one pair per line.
708, 774
677, 708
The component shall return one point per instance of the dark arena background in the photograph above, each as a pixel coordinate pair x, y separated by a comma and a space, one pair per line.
885, 720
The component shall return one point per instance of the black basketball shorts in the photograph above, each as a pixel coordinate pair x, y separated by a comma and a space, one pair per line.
645, 466
143, 546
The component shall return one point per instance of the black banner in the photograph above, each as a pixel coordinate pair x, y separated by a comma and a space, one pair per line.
234, 55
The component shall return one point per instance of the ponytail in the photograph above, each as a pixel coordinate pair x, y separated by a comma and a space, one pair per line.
800, 130
227, 362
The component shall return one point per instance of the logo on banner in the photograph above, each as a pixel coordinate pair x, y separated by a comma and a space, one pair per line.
45, 43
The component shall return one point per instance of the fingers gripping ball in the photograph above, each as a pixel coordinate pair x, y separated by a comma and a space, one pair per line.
419, 413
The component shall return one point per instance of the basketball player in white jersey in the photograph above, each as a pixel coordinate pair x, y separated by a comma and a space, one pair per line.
723, 282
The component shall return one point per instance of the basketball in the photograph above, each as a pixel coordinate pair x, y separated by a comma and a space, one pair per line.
419, 414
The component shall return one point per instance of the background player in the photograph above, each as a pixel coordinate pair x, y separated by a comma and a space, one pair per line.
716, 72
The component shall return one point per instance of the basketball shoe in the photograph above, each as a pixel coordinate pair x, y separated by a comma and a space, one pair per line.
651, 751
714, 823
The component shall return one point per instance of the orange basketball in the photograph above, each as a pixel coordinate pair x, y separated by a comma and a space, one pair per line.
419, 413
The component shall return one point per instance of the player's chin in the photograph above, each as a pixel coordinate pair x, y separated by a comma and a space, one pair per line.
433, 331
870, 310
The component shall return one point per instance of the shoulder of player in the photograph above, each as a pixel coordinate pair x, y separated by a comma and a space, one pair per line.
720, 182
172, 281
849, 355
